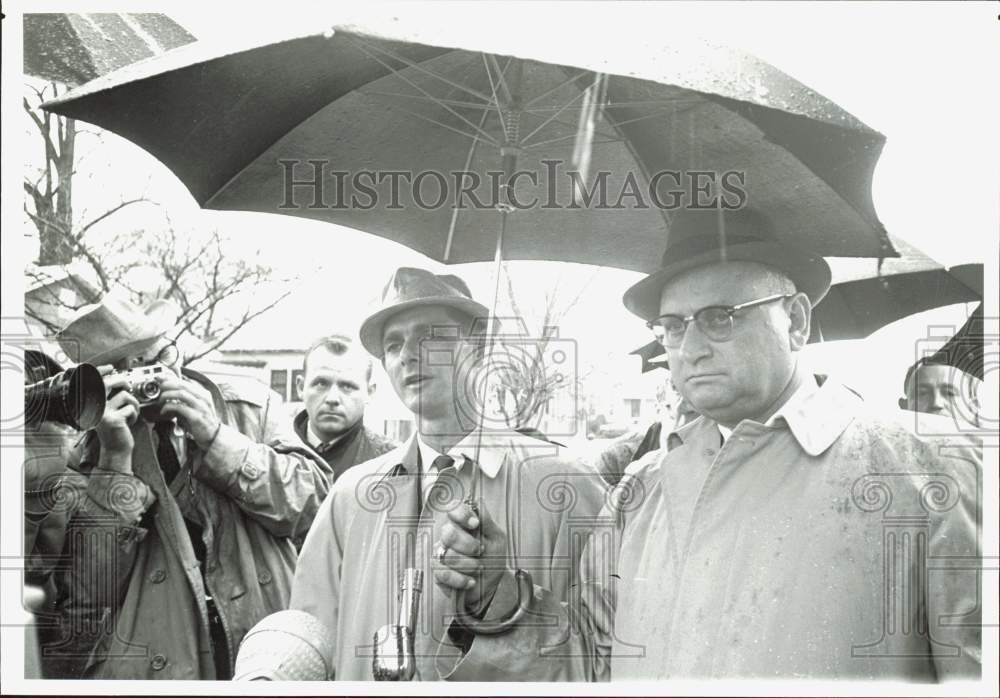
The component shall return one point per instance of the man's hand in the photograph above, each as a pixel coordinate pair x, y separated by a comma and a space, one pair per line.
114, 430
193, 408
472, 563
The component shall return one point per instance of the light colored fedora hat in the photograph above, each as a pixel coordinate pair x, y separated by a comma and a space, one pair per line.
113, 329
411, 288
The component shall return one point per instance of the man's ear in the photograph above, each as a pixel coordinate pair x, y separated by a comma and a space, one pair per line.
300, 383
371, 388
903, 403
800, 317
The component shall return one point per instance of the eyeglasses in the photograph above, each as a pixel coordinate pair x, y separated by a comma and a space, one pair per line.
167, 356
714, 321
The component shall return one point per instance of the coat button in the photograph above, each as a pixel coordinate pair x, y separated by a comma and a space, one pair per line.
264, 577
158, 662
249, 472
157, 576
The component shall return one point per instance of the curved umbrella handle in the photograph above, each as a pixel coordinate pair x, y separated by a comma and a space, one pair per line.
525, 590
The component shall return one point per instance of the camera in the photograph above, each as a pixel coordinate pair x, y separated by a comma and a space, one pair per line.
74, 397
142, 383
511, 380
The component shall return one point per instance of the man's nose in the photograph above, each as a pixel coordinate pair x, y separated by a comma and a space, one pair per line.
694, 344
410, 351
937, 401
332, 396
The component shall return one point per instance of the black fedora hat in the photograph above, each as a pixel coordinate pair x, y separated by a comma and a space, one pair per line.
699, 238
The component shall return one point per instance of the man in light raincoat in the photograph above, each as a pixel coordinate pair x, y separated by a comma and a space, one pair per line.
410, 507
790, 531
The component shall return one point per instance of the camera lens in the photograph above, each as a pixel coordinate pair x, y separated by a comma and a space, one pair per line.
149, 391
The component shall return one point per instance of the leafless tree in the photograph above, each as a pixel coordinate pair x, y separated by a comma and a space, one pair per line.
217, 292
528, 383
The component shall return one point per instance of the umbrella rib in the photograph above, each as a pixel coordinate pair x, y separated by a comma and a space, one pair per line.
459, 131
548, 120
641, 118
454, 211
452, 102
430, 96
496, 100
567, 137
613, 105
596, 131
419, 68
561, 85
508, 95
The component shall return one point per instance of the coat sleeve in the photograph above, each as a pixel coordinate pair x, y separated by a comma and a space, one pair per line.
316, 585
100, 550
558, 639
263, 466
954, 589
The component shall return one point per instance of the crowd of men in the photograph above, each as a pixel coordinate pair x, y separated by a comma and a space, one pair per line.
761, 538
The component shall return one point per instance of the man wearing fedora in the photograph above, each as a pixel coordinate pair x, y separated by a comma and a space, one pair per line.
469, 504
790, 530
183, 540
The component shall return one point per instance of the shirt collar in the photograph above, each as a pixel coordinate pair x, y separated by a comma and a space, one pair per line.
488, 451
816, 415
315, 440
312, 437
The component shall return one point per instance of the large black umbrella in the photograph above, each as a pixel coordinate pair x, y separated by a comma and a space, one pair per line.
344, 109
74, 48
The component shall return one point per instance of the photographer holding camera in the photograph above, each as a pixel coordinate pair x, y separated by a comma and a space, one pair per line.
195, 491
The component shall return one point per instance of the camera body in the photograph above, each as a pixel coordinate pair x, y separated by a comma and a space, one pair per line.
142, 382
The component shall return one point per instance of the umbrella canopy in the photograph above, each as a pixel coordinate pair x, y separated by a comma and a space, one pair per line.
966, 351
316, 125
653, 356
866, 295
74, 48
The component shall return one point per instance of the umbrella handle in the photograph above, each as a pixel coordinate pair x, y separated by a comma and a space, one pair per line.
525, 590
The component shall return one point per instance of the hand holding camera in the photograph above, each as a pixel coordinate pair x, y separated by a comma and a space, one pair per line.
114, 429
192, 406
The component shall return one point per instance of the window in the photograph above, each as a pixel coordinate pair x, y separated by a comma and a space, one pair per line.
296, 393
279, 383
634, 408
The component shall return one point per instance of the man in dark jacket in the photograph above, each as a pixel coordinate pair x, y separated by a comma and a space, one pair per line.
336, 384
183, 537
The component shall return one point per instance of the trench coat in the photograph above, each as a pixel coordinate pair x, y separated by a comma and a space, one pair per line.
370, 528
132, 597
832, 543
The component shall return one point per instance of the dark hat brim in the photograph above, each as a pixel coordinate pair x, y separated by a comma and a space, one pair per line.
370, 333
809, 273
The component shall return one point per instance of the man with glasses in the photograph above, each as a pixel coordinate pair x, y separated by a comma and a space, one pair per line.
789, 531
195, 490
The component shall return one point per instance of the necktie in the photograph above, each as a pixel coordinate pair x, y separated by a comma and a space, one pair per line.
166, 456
439, 464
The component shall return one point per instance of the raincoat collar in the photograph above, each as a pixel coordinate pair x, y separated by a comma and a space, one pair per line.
816, 418
488, 450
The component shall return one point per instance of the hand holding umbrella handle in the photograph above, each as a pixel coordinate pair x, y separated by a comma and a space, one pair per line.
478, 626
525, 589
